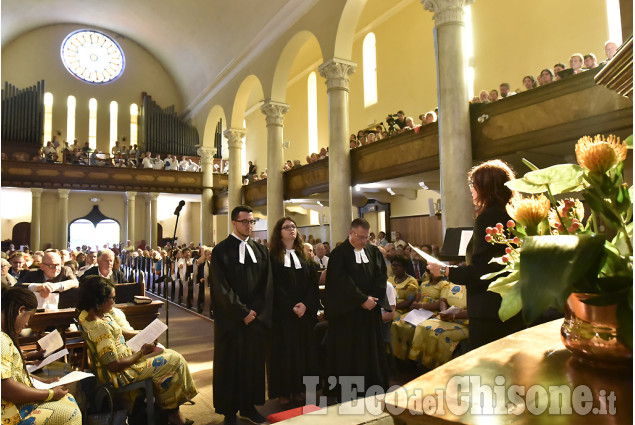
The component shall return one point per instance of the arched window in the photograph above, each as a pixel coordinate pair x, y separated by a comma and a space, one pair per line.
369, 57
244, 167
313, 117
92, 123
134, 114
114, 110
48, 117
71, 102
615, 21
94, 230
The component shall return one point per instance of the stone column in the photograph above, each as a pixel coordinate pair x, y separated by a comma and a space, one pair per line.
234, 142
275, 192
151, 219
455, 144
131, 197
336, 72
36, 217
62, 242
207, 195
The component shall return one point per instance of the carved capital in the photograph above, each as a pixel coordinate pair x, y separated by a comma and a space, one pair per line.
152, 196
234, 137
275, 112
131, 196
63, 193
336, 72
36, 192
446, 11
207, 155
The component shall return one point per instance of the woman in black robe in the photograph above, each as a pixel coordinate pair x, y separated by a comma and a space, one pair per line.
293, 350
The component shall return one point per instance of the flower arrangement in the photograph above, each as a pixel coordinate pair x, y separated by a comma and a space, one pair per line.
552, 251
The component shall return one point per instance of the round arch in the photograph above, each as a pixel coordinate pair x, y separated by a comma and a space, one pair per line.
250, 88
216, 114
285, 62
347, 27
94, 229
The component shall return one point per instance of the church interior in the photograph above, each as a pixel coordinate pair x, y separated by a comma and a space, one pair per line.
229, 84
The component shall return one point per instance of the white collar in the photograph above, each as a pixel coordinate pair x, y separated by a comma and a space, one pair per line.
360, 256
241, 250
287, 259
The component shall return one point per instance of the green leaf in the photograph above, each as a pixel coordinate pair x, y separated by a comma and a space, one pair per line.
616, 262
529, 164
561, 178
509, 290
549, 267
629, 142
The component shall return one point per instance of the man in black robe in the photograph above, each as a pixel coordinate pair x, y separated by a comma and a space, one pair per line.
355, 293
242, 300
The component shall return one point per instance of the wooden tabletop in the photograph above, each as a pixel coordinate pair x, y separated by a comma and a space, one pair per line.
533, 359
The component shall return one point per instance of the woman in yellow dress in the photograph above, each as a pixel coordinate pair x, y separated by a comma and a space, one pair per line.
402, 332
173, 383
405, 285
21, 403
436, 339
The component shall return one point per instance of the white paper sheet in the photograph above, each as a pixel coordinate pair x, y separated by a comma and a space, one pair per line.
428, 258
67, 379
49, 303
414, 317
466, 237
452, 310
48, 360
51, 342
148, 335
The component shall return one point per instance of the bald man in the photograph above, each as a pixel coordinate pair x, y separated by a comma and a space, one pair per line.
53, 276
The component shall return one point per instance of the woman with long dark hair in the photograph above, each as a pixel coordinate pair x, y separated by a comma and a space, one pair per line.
489, 195
293, 351
173, 383
21, 403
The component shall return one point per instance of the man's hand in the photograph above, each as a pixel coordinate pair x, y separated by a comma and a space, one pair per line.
299, 309
370, 303
45, 290
250, 317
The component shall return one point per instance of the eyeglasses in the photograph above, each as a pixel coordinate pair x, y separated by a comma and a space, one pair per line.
246, 222
52, 266
364, 238
289, 227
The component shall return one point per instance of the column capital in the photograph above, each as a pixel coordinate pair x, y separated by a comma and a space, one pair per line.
36, 192
207, 155
446, 11
234, 137
336, 72
151, 196
275, 112
63, 193
131, 195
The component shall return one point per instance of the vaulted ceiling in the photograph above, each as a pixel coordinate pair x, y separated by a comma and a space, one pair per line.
194, 39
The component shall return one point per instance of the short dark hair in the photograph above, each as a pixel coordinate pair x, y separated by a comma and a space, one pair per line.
360, 222
561, 65
590, 55
400, 112
93, 292
400, 259
504, 85
240, 208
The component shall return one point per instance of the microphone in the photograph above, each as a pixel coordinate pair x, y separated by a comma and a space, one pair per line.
178, 209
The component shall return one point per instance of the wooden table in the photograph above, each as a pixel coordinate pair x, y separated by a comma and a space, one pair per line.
535, 359
139, 316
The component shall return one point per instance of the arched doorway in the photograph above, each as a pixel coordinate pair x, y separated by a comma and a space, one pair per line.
21, 234
94, 230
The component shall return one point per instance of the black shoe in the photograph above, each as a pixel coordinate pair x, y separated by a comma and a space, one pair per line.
252, 416
230, 419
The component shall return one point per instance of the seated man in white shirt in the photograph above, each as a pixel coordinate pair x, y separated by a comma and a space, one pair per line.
104, 267
52, 277
147, 161
191, 166
158, 163
320, 256
91, 260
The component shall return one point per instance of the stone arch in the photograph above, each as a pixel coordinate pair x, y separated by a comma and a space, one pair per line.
250, 88
215, 114
287, 57
346, 28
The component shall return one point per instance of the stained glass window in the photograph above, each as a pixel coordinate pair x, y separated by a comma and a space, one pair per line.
92, 56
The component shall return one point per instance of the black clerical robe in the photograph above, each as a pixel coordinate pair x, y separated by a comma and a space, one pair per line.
355, 344
293, 351
239, 349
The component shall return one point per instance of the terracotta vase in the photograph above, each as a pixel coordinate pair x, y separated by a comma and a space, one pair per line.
590, 333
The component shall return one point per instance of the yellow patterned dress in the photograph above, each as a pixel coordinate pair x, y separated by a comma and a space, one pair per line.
173, 383
434, 340
60, 412
406, 290
402, 332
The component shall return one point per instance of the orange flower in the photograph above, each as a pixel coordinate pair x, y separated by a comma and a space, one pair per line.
529, 212
600, 155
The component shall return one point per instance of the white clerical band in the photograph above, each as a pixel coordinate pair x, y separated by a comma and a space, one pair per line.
360, 256
241, 252
287, 259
